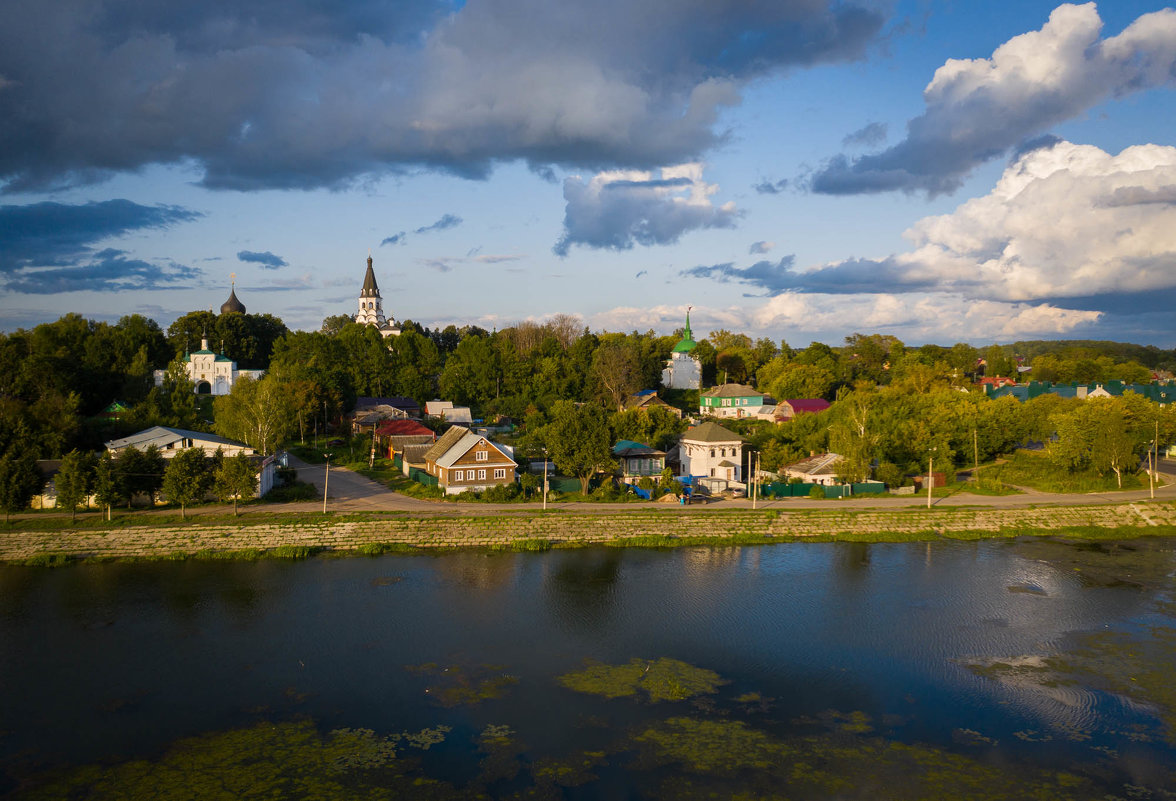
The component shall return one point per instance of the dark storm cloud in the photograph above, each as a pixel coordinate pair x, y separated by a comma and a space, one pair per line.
108, 271
266, 259
855, 276
307, 94
58, 234
979, 109
446, 222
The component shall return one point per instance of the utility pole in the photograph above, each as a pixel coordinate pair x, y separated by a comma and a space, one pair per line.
372, 455
755, 482
545, 479
975, 453
326, 480
930, 475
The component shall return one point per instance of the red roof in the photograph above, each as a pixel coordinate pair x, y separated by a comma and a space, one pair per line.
402, 428
808, 404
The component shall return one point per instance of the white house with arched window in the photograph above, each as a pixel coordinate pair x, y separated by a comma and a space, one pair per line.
709, 451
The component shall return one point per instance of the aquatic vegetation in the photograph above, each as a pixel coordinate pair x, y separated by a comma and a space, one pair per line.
268, 760
662, 679
571, 772
461, 685
725, 758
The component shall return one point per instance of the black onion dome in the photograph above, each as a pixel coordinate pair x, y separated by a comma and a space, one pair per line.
232, 304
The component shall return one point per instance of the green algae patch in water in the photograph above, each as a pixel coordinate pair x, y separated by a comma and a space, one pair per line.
708, 758
284, 760
464, 685
662, 679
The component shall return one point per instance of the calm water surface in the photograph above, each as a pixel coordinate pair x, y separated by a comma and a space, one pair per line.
843, 670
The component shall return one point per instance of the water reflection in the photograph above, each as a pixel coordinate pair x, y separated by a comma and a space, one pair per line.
965, 649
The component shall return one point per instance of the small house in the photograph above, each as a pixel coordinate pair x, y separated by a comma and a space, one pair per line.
462, 460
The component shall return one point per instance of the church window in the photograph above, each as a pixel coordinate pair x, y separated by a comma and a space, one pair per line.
712, 453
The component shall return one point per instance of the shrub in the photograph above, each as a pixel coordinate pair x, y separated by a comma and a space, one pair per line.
286, 475
293, 551
889, 474
502, 493
817, 492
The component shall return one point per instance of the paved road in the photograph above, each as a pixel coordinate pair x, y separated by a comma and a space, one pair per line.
349, 491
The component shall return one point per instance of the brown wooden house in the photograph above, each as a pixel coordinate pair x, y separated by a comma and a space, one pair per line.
462, 460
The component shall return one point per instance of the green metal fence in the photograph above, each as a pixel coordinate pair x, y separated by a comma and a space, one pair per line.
777, 490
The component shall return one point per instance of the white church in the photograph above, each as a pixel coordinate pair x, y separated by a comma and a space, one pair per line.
211, 372
371, 306
683, 371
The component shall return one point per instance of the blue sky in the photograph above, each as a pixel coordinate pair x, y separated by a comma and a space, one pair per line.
801, 170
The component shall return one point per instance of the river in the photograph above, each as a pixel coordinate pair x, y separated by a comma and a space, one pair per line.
994, 669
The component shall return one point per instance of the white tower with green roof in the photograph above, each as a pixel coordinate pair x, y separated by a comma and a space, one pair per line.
683, 371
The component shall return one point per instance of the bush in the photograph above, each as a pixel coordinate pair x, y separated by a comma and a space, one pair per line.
646, 483
502, 493
286, 475
817, 492
889, 474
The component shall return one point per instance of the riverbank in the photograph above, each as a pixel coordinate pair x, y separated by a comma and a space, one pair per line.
374, 533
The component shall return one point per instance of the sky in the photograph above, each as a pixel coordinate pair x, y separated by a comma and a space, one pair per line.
939, 170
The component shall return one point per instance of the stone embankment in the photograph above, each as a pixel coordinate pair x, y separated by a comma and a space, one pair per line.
568, 528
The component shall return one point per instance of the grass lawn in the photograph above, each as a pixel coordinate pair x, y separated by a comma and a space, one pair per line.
1033, 469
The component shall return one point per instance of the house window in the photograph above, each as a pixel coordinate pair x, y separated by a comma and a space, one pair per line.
481, 456
712, 453
500, 472
458, 475
481, 475
726, 401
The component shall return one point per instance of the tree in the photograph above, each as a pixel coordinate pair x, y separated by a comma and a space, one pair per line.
616, 368
74, 479
186, 478
235, 478
256, 412
140, 472
1116, 445
577, 440
109, 485
19, 482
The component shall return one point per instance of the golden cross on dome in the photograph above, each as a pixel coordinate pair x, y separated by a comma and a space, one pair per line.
233, 278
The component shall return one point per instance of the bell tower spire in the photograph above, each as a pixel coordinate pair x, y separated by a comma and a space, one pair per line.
371, 305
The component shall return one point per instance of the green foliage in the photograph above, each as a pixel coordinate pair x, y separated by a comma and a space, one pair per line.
817, 492
655, 426
19, 482
74, 480
235, 477
187, 478
256, 412
578, 441
139, 472
1036, 470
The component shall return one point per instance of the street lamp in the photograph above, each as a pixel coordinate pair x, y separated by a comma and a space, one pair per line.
930, 473
326, 480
